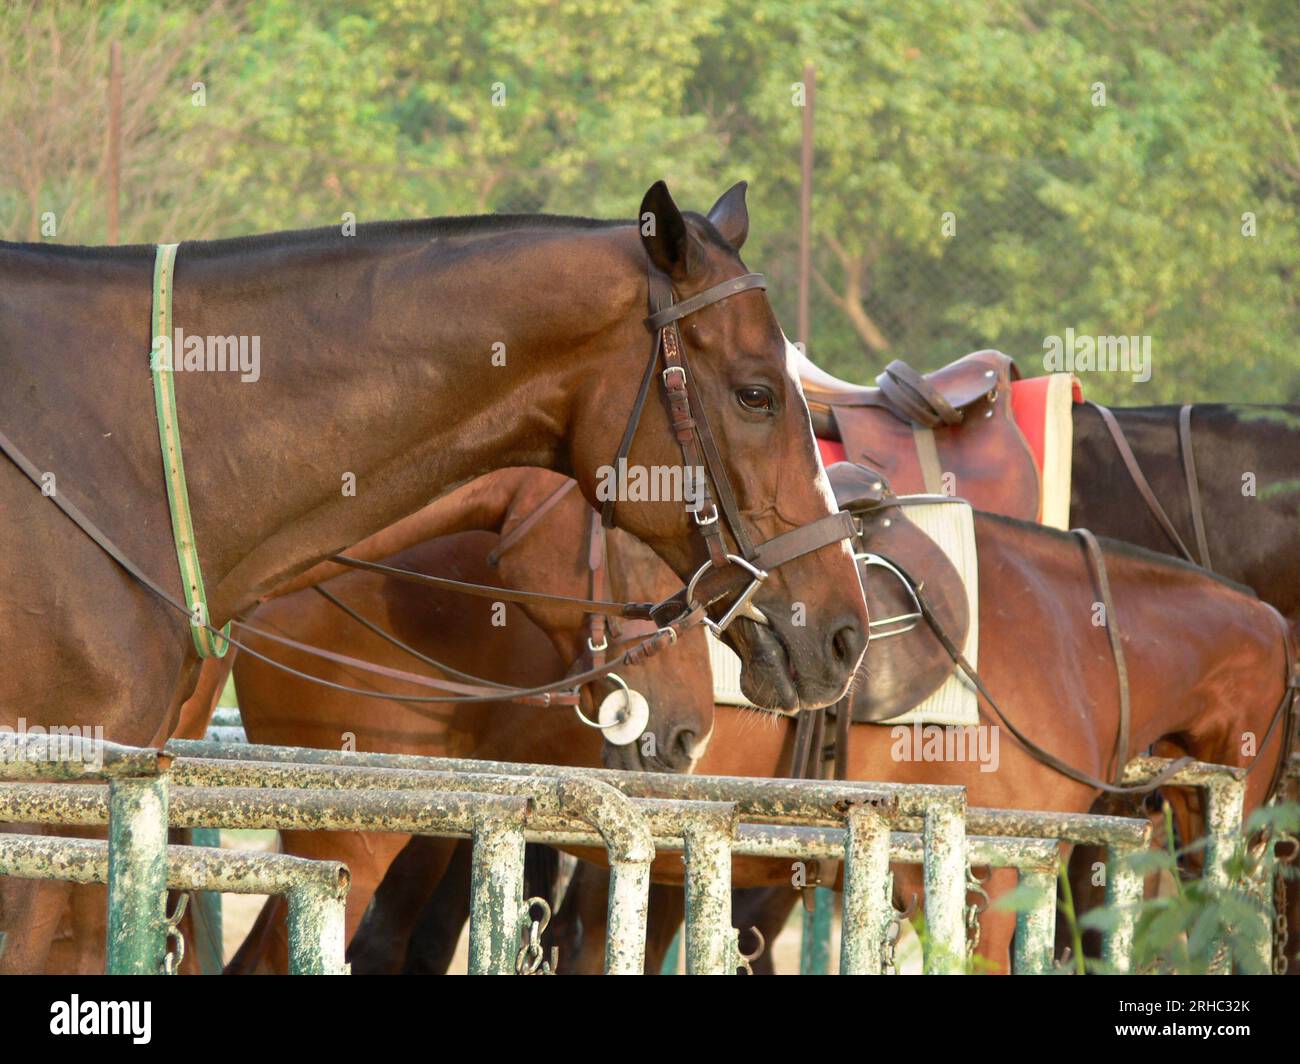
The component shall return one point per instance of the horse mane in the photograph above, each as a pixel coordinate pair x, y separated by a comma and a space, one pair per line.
394, 231
1123, 549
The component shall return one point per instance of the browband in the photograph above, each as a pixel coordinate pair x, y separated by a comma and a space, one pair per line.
676, 311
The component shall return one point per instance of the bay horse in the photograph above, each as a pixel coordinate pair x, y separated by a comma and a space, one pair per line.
397, 362
520, 646
1210, 673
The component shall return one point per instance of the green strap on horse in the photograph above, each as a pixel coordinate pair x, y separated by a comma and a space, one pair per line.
161, 363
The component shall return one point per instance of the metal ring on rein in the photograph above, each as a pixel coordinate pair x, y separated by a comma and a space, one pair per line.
742, 603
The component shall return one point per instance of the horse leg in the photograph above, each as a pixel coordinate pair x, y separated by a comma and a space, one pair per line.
30, 912
367, 856
578, 928
436, 935
767, 910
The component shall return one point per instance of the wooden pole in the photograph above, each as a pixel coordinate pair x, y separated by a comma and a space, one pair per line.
113, 176
805, 206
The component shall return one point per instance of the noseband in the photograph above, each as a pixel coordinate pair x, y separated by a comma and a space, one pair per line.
750, 564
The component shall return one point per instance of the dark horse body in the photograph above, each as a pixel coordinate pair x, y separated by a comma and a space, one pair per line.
1248, 475
376, 363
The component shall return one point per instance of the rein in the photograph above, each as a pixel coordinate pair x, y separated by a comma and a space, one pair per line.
1284, 708
1148, 494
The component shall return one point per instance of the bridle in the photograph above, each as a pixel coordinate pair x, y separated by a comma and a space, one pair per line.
713, 582
717, 504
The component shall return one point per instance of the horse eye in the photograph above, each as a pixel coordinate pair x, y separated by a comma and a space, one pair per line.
754, 398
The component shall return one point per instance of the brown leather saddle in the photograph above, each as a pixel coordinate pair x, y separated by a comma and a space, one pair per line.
904, 663
947, 432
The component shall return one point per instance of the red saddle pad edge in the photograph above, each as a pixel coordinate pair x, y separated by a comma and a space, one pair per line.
1029, 408
832, 451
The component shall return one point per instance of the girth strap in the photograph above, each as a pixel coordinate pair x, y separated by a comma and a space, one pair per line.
161, 363
1097, 561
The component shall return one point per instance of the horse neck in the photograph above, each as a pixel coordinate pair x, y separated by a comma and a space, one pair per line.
377, 387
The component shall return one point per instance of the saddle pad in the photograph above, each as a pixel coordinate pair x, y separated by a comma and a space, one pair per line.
952, 527
1042, 409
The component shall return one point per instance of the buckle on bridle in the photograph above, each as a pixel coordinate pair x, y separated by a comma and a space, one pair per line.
604, 645
711, 520
672, 369
742, 600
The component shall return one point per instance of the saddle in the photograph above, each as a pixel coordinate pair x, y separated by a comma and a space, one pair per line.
950, 432
899, 674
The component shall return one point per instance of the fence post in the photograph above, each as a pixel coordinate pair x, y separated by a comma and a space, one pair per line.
711, 947
815, 948
944, 843
1035, 942
867, 907
1123, 894
317, 921
496, 892
137, 874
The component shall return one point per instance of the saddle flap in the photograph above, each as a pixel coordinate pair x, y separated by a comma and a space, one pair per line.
901, 672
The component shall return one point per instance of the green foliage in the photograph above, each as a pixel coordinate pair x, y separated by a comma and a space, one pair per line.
1119, 219
1186, 932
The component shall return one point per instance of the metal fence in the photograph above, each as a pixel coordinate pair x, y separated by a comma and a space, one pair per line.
500, 806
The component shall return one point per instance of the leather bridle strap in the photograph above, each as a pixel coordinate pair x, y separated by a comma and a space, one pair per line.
509, 539
670, 312
1097, 562
1193, 486
1140, 481
637, 610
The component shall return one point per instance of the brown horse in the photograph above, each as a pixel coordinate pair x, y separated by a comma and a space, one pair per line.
1209, 671
471, 635
396, 363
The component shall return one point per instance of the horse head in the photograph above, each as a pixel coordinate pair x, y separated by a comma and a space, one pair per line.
732, 420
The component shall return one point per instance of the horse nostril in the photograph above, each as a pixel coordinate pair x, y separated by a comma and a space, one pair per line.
847, 644
681, 746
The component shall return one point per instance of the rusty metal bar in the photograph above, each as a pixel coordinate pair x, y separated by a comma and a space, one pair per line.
496, 890
711, 943
867, 908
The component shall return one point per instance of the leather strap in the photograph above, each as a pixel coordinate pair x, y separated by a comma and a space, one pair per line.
666, 314
1139, 479
1193, 487
637, 610
1034, 750
1097, 562
162, 362
509, 539
927, 454
915, 397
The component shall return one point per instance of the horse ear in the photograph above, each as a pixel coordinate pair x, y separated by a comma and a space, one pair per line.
663, 232
730, 216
